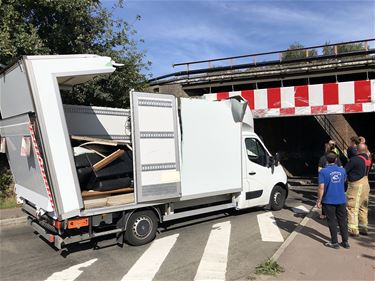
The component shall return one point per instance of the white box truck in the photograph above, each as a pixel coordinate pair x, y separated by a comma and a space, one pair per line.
187, 156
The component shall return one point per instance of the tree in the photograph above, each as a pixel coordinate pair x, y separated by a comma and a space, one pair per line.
344, 48
298, 54
36, 27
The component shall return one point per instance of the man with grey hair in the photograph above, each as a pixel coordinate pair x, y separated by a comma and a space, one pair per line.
357, 194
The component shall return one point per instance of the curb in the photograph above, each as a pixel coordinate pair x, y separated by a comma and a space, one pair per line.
294, 233
13, 221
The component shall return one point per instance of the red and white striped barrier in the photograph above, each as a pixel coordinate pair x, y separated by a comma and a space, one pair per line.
330, 98
41, 165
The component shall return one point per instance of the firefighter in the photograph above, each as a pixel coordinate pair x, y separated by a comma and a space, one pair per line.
357, 194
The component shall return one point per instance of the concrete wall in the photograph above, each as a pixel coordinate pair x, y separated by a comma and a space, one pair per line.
300, 140
175, 89
364, 124
342, 126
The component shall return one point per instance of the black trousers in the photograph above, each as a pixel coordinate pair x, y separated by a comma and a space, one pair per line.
336, 214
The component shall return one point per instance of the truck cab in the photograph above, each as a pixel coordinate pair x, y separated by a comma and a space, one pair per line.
264, 180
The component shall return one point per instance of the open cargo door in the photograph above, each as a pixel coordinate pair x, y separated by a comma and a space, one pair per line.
156, 146
48, 177
25, 160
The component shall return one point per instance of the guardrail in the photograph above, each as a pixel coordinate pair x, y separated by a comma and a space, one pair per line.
306, 52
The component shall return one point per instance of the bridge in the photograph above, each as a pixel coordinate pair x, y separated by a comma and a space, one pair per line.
319, 86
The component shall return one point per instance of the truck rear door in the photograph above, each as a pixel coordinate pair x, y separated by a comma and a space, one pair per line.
16, 107
26, 165
155, 146
46, 175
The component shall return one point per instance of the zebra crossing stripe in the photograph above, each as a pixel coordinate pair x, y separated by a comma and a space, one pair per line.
70, 273
213, 265
149, 263
269, 230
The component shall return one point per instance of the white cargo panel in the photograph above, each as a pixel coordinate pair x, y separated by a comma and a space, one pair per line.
98, 122
155, 146
15, 98
24, 161
211, 149
31, 88
47, 74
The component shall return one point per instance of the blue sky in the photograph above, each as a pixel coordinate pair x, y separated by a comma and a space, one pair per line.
180, 31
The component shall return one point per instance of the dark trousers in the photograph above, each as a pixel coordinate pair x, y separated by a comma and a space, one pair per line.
336, 214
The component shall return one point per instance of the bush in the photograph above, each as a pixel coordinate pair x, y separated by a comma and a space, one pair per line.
6, 179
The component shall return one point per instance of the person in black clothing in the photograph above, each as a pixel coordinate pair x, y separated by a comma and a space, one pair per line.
352, 149
358, 191
331, 196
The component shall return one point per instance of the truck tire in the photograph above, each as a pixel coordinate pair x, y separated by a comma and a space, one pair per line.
278, 197
141, 228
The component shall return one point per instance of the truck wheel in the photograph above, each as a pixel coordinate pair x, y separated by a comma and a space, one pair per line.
141, 228
278, 197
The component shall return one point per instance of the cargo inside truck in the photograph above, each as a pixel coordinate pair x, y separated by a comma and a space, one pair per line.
102, 149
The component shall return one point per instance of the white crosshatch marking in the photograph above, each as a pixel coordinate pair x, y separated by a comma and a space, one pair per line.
213, 265
269, 230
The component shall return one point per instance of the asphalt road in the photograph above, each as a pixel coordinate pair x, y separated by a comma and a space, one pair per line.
191, 249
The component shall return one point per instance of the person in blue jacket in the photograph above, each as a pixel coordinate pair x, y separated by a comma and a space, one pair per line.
332, 198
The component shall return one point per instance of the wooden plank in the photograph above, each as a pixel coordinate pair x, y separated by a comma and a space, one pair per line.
120, 199
109, 159
98, 140
95, 203
116, 191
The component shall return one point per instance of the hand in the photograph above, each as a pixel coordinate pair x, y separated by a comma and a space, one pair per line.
318, 204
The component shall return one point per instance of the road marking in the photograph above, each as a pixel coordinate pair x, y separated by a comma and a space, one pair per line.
213, 265
70, 273
300, 209
149, 263
268, 228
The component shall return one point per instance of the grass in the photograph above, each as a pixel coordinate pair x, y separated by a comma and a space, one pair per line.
269, 267
7, 196
8, 202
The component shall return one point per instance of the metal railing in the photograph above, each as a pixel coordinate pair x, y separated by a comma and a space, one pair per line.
341, 144
233, 60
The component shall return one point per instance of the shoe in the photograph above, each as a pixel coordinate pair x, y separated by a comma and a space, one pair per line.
332, 245
363, 232
345, 245
353, 234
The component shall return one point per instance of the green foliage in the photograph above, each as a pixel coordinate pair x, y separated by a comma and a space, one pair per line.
6, 179
298, 54
33, 27
8, 202
269, 267
294, 54
345, 48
